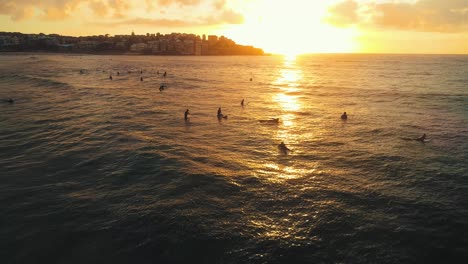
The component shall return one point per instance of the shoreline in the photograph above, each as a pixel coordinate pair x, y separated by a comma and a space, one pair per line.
128, 54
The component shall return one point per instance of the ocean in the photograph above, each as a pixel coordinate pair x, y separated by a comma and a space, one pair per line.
95, 170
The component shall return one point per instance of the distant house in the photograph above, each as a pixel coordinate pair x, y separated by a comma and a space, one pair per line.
138, 47
86, 45
65, 47
9, 41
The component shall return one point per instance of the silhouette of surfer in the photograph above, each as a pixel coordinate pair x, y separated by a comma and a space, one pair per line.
161, 87
421, 138
141, 79
220, 114
164, 74
186, 114
344, 116
242, 103
283, 148
110, 77
274, 121
10, 100
118, 73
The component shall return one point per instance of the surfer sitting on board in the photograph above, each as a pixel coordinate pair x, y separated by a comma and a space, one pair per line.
421, 138
220, 114
283, 149
186, 115
344, 116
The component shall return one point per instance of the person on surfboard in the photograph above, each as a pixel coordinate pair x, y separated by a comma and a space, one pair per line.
344, 116
283, 148
220, 114
421, 138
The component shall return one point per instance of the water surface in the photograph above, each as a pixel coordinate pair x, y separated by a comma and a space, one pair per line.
98, 170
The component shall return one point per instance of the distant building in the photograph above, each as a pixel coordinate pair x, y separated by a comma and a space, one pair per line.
212, 39
86, 45
198, 48
9, 41
189, 47
121, 45
138, 47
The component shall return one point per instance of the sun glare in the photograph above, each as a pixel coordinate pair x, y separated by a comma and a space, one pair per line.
291, 28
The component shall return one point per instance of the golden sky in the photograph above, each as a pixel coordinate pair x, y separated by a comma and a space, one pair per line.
278, 26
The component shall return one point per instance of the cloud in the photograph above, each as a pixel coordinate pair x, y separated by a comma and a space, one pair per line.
11, 8
120, 7
219, 4
63, 9
99, 8
226, 17
179, 2
344, 13
151, 22
47, 9
422, 15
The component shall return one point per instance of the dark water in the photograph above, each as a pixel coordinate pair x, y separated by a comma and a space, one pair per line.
106, 171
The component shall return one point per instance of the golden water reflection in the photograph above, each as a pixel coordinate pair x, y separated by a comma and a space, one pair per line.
288, 84
287, 97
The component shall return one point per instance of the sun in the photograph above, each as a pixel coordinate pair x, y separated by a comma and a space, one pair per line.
290, 27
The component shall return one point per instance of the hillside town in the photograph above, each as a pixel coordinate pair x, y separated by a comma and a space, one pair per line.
149, 44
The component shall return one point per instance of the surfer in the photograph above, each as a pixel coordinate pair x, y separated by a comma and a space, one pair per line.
118, 73
283, 149
220, 114
110, 77
251, 79
141, 79
161, 87
242, 103
164, 74
270, 121
421, 138
186, 115
10, 101
344, 116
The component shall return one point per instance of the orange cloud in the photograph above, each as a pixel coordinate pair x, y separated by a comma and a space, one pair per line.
118, 9
179, 2
226, 17
422, 15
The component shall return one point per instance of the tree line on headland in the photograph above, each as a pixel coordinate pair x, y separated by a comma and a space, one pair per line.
150, 44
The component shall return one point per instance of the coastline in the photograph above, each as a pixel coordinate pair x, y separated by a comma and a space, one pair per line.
127, 53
